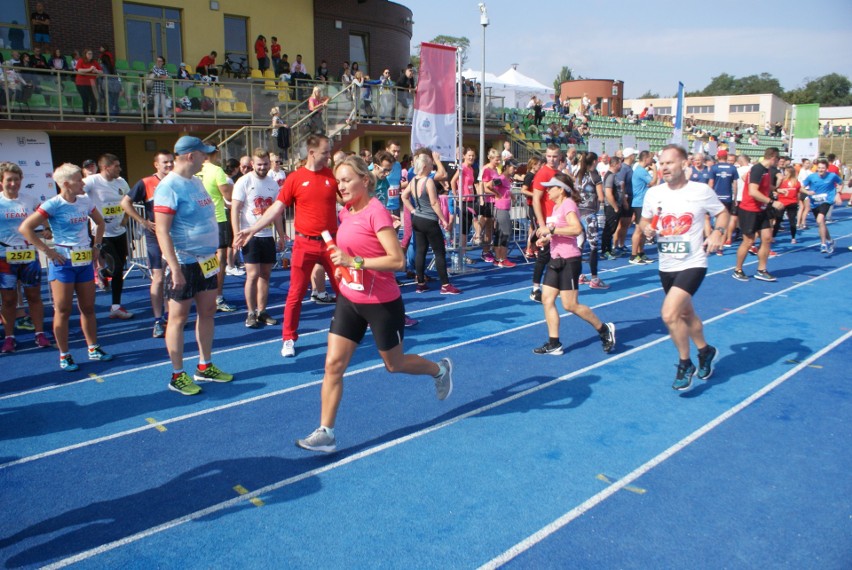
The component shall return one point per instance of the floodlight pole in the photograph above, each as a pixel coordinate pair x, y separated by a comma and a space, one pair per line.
483, 20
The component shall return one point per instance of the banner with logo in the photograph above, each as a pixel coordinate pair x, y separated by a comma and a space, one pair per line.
434, 120
805, 132
31, 151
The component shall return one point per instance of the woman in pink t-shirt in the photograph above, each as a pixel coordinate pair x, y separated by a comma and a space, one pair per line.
563, 271
463, 185
486, 203
367, 242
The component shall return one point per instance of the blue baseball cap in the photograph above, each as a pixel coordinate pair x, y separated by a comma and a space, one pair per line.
188, 144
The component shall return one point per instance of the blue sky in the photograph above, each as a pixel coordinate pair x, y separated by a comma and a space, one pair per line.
649, 45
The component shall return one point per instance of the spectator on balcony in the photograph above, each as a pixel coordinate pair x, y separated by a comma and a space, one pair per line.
25, 61
283, 71
322, 72
386, 97
41, 26
280, 131
405, 92
109, 85
11, 81
16, 37
58, 61
157, 89
88, 71
316, 102
275, 53
207, 65
261, 53
299, 72
37, 60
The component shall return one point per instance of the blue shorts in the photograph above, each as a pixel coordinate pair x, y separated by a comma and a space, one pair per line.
41, 38
29, 274
67, 273
155, 255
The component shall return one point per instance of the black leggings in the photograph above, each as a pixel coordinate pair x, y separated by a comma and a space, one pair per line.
541, 261
590, 227
427, 233
117, 248
610, 226
90, 102
792, 212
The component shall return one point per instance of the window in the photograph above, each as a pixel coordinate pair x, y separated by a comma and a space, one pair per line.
664, 110
751, 108
15, 25
358, 50
236, 37
700, 109
152, 31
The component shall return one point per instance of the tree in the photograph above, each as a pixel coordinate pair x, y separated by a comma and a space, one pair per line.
726, 84
565, 74
462, 43
829, 91
649, 95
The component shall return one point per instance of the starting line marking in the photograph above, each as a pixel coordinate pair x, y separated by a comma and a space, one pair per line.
631, 488
96, 378
157, 425
243, 491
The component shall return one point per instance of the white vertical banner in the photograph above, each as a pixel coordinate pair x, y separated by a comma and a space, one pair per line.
434, 120
31, 151
596, 146
628, 141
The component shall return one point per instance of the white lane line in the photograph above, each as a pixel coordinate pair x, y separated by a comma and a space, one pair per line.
595, 500
520, 547
236, 403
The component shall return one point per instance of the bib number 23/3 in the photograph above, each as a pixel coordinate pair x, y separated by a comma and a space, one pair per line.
209, 266
81, 257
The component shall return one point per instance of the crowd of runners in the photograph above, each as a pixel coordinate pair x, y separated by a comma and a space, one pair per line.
200, 218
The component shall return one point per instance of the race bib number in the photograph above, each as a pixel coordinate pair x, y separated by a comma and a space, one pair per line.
209, 266
393, 192
819, 198
116, 210
674, 248
81, 257
20, 254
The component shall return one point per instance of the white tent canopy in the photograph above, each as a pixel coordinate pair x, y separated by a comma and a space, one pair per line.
514, 87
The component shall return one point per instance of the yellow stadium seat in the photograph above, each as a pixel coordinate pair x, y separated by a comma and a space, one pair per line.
268, 74
240, 107
225, 107
269, 85
226, 94
256, 74
210, 92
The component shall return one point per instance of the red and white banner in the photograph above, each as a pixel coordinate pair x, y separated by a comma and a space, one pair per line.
434, 120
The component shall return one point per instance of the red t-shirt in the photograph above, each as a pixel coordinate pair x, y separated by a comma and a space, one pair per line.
833, 168
86, 78
761, 173
206, 61
315, 197
544, 174
259, 49
792, 196
275, 49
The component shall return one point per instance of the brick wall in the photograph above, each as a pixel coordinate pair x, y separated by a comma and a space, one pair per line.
79, 25
386, 24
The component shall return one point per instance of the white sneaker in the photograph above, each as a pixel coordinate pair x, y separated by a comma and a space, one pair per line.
288, 350
120, 313
235, 271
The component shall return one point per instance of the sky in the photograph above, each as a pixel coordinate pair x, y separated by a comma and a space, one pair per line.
649, 45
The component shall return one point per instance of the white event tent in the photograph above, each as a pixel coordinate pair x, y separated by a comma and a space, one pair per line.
515, 87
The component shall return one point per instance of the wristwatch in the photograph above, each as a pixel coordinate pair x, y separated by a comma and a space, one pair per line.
720, 230
359, 261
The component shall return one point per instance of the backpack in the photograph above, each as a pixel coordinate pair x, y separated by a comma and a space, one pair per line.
206, 104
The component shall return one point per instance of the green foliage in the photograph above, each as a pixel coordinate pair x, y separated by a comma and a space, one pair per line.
829, 91
565, 74
649, 95
462, 43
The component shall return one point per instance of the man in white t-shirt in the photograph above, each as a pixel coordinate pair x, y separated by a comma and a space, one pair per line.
107, 189
253, 194
674, 212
